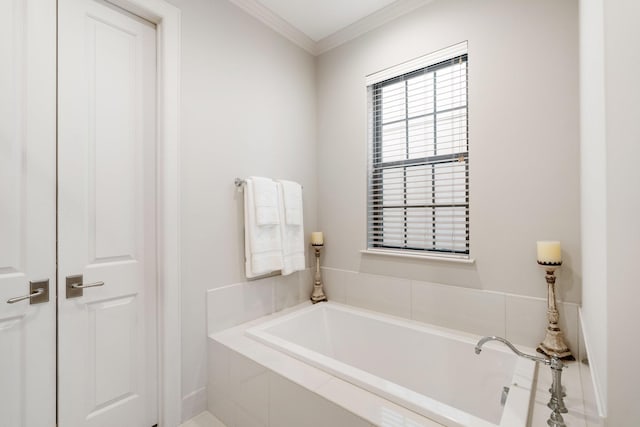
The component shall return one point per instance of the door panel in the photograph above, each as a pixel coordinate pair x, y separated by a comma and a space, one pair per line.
106, 216
27, 210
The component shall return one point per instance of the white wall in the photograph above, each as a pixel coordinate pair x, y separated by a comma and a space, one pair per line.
524, 146
593, 193
610, 143
622, 96
248, 108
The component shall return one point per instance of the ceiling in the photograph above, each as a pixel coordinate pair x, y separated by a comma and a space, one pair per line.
321, 25
319, 19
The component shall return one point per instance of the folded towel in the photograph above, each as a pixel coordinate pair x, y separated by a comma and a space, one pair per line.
292, 202
265, 195
263, 243
292, 235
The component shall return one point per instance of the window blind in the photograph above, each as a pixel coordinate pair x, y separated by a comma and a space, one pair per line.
418, 171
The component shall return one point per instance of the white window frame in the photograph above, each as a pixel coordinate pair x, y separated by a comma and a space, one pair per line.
374, 244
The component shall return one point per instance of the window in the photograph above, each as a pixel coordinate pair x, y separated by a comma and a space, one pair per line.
418, 183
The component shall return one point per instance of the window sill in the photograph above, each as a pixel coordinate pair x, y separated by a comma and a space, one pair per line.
401, 254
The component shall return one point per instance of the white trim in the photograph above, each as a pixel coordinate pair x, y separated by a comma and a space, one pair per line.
597, 383
462, 259
368, 23
194, 403
276, 23
417, 63
167, 19
358, 28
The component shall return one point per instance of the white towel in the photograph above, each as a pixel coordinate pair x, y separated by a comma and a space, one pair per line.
293, 258
265, 196
292, 202
262, 243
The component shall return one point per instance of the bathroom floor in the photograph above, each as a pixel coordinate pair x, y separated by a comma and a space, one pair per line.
204, 419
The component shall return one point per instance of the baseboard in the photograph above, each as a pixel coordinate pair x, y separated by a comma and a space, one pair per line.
194, 403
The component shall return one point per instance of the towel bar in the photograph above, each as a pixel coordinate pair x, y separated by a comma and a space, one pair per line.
239, 182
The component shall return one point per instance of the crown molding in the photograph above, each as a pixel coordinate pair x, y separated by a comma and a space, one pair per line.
276, 23
358, 28
368, 23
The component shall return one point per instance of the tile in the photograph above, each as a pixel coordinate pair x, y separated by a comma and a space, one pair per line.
245, 419
287, 404
526, 321
292, 405
218, 363
224, 307
582, 350
257, 298
569, 325
335, 283
374, 409
218, 398
469, 310
278, 362
573, 399
380, 293
305, 284
223, 408
287, 291
591, 415
249, 387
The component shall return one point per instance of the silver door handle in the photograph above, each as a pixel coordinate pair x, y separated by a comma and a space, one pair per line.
75, 286
37, 292
88, 285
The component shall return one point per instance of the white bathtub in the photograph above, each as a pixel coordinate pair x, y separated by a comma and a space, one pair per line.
425, 369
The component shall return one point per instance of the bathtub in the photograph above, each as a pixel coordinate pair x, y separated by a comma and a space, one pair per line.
428, 370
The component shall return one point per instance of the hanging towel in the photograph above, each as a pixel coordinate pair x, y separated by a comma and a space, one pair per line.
291, 227
292, 202
262, 243
265, 196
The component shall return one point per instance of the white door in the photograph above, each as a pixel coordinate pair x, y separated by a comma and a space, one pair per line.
27, 212
107, 352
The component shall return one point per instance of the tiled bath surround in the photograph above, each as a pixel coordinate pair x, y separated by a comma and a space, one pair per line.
231, 305
244, 393
252, 385
520, 319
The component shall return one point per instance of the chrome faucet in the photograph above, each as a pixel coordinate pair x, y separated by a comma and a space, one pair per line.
556, 403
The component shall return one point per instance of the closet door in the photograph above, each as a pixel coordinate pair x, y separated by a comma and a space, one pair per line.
107, 358
27, 213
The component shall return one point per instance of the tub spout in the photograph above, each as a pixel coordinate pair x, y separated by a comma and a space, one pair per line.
512, 348
557, 396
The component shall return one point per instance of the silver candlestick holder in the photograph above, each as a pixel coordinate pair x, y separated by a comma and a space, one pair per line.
318, 292
553, 344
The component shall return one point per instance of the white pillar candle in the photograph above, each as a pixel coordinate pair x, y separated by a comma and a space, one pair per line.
549, 252
317, 239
